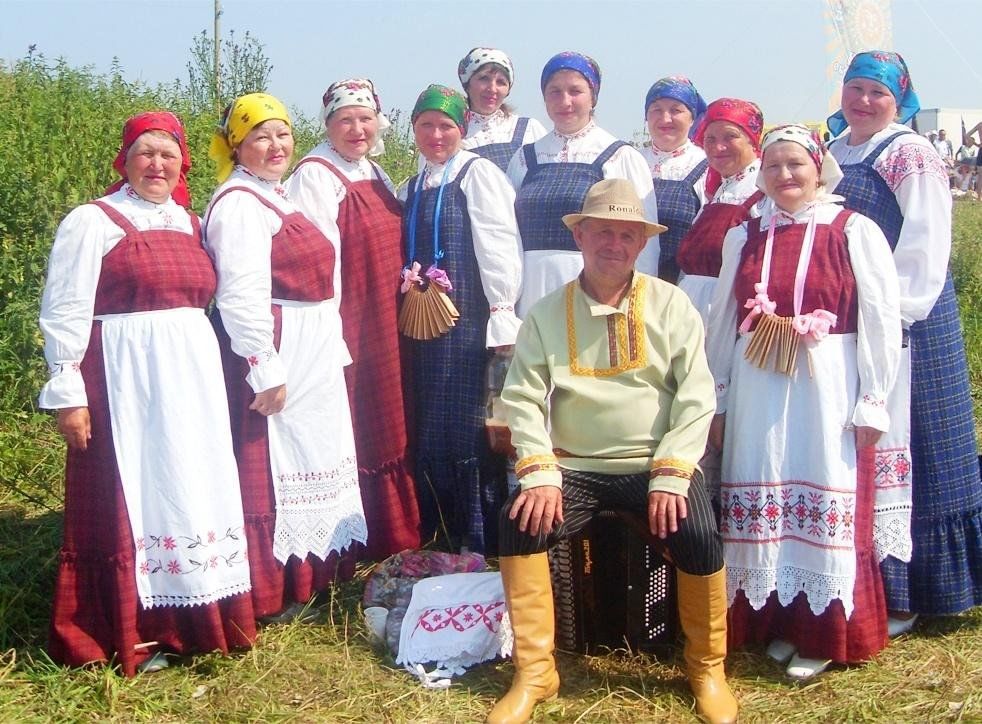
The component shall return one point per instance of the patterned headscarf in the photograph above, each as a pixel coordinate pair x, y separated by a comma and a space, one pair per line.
479, 57
678, 88
571, 60
443, 99
356, 92
828, 168
745, 114
242, 115
890, 70
155, 121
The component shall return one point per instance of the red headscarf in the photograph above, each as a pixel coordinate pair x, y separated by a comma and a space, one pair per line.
745, 114
155, 121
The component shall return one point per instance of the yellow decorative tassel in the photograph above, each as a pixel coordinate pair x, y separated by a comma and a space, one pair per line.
426, 313
775, 337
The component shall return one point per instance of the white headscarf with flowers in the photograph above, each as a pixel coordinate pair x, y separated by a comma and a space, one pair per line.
829, 172
356, 92
480, 57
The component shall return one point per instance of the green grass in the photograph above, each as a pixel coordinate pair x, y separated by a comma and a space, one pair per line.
329, 672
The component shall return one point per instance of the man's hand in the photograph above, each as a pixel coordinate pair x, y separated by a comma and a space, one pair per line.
537, 509
75, 425
665, 510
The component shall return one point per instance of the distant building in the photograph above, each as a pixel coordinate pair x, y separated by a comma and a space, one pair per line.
950, 119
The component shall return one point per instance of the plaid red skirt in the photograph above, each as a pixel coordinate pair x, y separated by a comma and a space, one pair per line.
96, 614
829, 635
370, 222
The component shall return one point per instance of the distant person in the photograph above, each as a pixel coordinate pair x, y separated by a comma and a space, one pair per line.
462, 252
552, 176
493, 129
352, 201
969, 141
943, 146
804, 345
284, 358
897, 179
729, 133
154, 557
606, 420
672, 108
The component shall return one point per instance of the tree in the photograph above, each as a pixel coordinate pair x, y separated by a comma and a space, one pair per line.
244, 68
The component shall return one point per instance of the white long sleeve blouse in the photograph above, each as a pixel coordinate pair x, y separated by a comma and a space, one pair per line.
83, 238
319, 193
919, 180
878, 334
585, 146
239, 233
497, 243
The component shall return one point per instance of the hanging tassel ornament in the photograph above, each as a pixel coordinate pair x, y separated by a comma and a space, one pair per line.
775, 337
427, 312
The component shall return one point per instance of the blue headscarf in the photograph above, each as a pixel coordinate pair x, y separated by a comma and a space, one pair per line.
890, 70
678, 88
571, 60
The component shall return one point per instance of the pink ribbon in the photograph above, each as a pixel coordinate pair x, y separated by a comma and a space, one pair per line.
439, 277
815, 325
410, 276
760, 304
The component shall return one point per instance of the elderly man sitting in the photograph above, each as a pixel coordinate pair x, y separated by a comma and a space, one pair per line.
609, 400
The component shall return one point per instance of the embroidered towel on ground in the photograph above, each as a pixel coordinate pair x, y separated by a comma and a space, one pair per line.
455, 621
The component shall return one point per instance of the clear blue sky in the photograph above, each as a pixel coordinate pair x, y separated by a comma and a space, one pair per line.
770, 51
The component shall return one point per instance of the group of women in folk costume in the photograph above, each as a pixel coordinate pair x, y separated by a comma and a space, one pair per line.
349, 430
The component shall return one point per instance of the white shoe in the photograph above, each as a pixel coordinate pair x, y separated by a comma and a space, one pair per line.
781, 650
802, 668
898, 626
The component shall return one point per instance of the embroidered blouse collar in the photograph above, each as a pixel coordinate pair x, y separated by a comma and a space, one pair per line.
134, 196
665, 155
579, 134
495, 119
801, 216
275, 186
362, 165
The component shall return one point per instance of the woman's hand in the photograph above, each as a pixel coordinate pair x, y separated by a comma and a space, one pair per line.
716, 430
866, 436
269, 402
75, 425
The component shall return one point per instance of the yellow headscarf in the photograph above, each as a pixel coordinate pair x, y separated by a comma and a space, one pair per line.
245, 113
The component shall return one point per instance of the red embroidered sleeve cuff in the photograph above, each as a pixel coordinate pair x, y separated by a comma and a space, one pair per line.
66, 388
537, 470
871, 412
266, 370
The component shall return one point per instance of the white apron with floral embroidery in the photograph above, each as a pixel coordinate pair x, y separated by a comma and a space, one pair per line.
170, 429
892, 470
311, 443
788, 501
